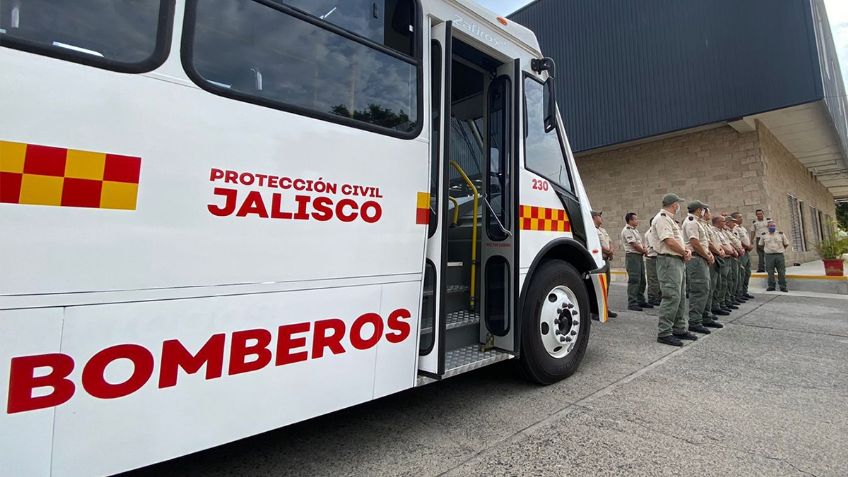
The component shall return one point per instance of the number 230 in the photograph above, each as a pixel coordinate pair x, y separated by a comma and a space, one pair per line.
540, 185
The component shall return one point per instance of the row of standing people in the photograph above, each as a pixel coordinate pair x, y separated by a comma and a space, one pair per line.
695, 270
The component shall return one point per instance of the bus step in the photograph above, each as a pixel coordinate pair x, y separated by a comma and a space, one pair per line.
458, 319
469, 358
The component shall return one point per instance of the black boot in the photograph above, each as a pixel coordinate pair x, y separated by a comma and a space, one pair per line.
669, 340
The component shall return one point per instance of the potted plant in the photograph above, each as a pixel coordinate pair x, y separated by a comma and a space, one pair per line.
831, 249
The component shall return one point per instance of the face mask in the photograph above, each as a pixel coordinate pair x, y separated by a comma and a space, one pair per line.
772, 229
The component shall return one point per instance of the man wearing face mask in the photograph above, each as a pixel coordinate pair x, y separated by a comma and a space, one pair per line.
634, 253
672, 256
774, 245
719, 303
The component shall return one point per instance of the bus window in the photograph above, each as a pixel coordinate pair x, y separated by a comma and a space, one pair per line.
390, 23
435, 139
122, 35
306, 66
499, 157
543, 150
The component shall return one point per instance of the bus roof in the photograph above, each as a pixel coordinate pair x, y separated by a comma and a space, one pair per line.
512, 30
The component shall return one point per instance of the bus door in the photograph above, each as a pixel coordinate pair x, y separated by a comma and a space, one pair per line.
499, 258
431, 350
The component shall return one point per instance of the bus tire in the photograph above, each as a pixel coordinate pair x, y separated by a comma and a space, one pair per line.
555, 323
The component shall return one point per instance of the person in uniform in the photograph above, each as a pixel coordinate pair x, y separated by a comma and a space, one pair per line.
606, 249
745, 265
671, 265
758, 227
731, 300
720, 294
634, 253
653, 284
775, 244
710, 320
698, 268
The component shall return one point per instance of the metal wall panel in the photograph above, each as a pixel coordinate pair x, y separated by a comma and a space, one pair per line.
631, 69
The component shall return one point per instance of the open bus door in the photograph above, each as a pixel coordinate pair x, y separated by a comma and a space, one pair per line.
431, 360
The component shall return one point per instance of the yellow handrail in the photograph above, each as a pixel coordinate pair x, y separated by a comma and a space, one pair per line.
455, 210
473, 234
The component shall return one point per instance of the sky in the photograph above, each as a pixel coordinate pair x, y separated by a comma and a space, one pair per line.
837, 11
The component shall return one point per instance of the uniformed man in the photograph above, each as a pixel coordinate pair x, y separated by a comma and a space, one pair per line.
720, 294
671, 265
748, 246
775, 244
697, 269
758, 227
710, 320
653, 284
606, 249
731, 298
634, 253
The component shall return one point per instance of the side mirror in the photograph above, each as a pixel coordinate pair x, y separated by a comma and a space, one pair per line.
547, 64
550, 105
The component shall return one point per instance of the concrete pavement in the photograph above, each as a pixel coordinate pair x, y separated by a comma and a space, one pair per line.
766, 395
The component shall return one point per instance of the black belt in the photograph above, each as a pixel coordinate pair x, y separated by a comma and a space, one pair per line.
670, 255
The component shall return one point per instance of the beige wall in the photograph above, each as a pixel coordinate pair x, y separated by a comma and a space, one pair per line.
731, 171
784, 175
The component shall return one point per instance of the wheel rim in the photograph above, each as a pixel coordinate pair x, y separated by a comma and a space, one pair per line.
560, 321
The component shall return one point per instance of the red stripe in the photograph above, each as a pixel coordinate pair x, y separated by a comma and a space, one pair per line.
422, 216
10, 187
45, 160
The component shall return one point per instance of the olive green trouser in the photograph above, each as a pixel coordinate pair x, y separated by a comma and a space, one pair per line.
732, 281
720, 293
671, 272
698, 278
635, 278
708, 309
653, 283
761, 255
746, 273
776, 261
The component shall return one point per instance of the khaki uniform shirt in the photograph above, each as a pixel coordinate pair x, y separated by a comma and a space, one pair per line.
708, 229
732, 239
720, 238
605, 240
759, 227
742, 235
774, 243
649, 243
665, 227
604, 236
629, 236
692, 229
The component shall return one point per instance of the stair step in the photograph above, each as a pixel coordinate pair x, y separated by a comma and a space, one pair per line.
469, 358
457, 319
457, 288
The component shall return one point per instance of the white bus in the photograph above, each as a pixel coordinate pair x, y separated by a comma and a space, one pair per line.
220, 217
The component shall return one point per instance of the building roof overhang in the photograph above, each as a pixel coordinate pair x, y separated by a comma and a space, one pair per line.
808, 132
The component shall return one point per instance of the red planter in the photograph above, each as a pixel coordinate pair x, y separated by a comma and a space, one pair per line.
833, 267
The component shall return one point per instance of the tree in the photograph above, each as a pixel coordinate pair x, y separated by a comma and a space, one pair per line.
842, 215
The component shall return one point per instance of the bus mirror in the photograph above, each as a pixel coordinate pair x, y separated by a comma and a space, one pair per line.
547, 64
550, 106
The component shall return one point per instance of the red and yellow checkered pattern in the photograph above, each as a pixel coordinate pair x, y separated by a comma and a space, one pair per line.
422, 209
544, 219
44, 175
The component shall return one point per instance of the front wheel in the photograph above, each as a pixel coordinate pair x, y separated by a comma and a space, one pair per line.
555, 323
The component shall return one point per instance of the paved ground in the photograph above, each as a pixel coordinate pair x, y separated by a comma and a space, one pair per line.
767, 395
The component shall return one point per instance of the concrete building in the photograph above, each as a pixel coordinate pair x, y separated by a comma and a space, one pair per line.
737, 103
